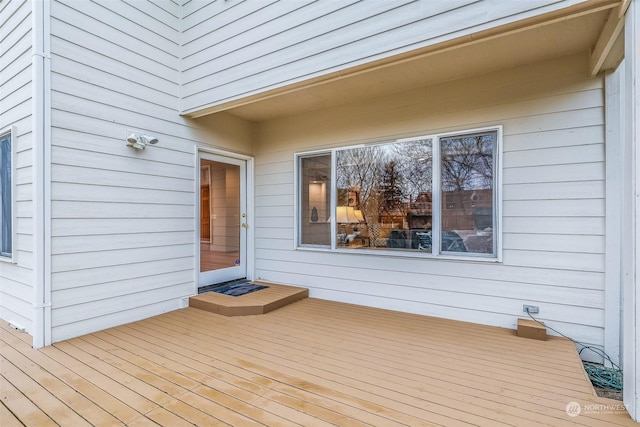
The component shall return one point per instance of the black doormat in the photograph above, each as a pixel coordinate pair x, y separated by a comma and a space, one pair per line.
238, 289
209, 288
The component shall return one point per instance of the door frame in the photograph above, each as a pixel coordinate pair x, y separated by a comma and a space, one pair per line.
250, 209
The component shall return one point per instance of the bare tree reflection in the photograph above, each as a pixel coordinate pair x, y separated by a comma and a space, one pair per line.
392, 185
467, 162
387, 177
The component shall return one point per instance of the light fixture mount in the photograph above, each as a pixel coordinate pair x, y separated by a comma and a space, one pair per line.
139, 141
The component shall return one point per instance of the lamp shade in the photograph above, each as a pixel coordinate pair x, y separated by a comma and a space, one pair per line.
346, 215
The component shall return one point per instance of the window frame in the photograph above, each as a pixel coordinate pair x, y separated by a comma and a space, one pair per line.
11, 131
437, 201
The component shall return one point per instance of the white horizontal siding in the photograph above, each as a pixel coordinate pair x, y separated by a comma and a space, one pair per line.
90, 227
374, 280
553, 201
80, 244
67, 280
104, 291
549, 191
139, 41
235, 49
82, 320
122, 221
16, 292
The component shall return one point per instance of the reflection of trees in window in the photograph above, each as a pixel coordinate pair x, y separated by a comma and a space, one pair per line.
391, 189
414, 161
386, 176
358, 169
391, 184
467, 162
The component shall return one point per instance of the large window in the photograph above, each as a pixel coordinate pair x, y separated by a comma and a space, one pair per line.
434, 195
6, 196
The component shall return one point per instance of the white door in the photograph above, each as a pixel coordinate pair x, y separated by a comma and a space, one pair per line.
223, 219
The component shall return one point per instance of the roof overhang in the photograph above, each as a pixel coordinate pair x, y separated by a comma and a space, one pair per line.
593, 28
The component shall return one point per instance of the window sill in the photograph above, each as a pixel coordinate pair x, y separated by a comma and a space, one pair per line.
399, 254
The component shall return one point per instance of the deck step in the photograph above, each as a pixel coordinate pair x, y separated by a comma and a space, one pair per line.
531, 329
259, 302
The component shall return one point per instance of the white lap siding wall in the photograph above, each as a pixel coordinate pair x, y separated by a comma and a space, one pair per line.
16, 290
123, 221
234, 50
553, 201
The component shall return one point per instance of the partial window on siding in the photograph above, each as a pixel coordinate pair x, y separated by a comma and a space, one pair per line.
433, 195
6, 195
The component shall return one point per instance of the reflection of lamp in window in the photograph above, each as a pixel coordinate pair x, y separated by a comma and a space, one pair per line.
346, 215
359, 215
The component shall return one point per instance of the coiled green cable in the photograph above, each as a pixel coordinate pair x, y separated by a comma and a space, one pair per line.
600, 376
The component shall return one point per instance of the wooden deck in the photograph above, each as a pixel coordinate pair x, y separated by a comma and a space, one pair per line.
260, 302
310, 363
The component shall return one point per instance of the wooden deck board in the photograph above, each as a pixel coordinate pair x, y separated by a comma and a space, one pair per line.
474, 354
88, 410
40, 396
235, 378
58, 365
387, 371
7, 419
212, 372
310, 363
321, 379
252, 394
20, 406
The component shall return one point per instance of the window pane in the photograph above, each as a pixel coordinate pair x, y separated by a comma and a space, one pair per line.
315, 200
5, 195
384, 196
467, 166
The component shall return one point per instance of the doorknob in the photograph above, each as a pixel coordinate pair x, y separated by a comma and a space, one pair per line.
245, 225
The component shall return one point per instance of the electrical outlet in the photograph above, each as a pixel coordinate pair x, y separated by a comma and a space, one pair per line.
531, 309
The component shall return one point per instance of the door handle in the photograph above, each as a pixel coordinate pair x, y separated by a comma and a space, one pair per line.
245, 225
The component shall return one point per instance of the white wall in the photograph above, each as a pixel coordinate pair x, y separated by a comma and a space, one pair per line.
630, 212
553, 191
123, 221
234, 49
16, 290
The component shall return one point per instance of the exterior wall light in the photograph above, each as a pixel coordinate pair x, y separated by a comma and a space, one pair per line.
140, 141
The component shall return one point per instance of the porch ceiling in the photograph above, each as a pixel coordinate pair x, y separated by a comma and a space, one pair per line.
537, 41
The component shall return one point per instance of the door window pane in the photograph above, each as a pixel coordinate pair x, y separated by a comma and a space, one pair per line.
219, 215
